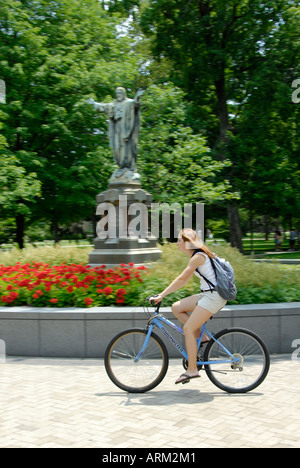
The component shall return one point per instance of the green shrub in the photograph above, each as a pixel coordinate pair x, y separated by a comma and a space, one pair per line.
256, 282
48, 254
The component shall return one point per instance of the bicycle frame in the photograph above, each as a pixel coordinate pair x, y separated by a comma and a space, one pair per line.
159, 321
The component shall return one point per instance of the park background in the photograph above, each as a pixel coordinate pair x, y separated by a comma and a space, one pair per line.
219, 126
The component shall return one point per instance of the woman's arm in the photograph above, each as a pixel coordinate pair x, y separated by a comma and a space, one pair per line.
183, 278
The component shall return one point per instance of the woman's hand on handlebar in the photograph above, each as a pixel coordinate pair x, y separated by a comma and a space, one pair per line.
155, 299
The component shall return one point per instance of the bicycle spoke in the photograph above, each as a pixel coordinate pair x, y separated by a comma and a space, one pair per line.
136, 375
248, 367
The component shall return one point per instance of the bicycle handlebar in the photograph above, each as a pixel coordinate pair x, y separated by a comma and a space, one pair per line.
153, 303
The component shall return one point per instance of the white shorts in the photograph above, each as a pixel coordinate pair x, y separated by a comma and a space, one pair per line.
211, 301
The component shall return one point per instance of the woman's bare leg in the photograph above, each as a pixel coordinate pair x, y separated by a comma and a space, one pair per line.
198, 317
183, 309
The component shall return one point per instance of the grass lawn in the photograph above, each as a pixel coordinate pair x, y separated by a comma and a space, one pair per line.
286, 255
260, 246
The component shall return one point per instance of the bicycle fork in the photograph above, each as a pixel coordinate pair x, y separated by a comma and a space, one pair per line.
147, 338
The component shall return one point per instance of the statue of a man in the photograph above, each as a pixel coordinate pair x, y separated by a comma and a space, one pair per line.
124, 124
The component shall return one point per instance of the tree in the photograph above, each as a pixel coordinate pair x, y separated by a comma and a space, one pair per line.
54, 55
175, 163
265, 146
234, 63
218, 49
18, 191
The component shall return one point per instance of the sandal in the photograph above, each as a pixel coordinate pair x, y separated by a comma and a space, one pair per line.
185, 378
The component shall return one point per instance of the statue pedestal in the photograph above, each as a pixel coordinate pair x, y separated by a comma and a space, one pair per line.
123, 235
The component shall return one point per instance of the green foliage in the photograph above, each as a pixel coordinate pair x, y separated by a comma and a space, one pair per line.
48, 254
54, 55
175, 163
218, 76
268, 175
218, 228
235, 62
17, 189
256, 282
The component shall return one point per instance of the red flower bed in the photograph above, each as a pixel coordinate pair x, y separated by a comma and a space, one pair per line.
44, 285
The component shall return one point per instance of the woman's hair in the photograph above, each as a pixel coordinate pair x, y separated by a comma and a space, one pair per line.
194, 242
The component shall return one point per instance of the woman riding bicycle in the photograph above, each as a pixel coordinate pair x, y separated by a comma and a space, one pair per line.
194, 311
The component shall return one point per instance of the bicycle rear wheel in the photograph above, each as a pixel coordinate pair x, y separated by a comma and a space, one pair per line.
251, 368
125, 372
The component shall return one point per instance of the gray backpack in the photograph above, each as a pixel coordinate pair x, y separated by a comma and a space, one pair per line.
224, 275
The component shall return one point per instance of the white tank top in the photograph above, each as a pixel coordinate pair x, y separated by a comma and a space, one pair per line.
207, 271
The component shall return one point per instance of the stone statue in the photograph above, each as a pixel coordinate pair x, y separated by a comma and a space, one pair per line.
124, 124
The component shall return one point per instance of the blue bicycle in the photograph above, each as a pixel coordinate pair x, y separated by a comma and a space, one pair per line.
236, 360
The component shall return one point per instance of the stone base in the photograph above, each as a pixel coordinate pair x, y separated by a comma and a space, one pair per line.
85, 333
124, 246
116, 251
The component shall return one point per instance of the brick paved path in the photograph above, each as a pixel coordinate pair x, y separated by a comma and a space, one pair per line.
72, 403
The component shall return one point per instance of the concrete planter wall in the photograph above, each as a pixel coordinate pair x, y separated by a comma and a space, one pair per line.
71, 332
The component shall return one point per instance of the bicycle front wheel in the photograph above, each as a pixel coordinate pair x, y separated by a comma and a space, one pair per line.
246, 370
131, 375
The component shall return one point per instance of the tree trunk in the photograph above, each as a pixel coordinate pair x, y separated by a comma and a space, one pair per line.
266, 226
235, 232
223, 116
20, 222
55, 230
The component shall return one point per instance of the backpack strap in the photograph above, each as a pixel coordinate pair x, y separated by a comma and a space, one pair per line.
212, 287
